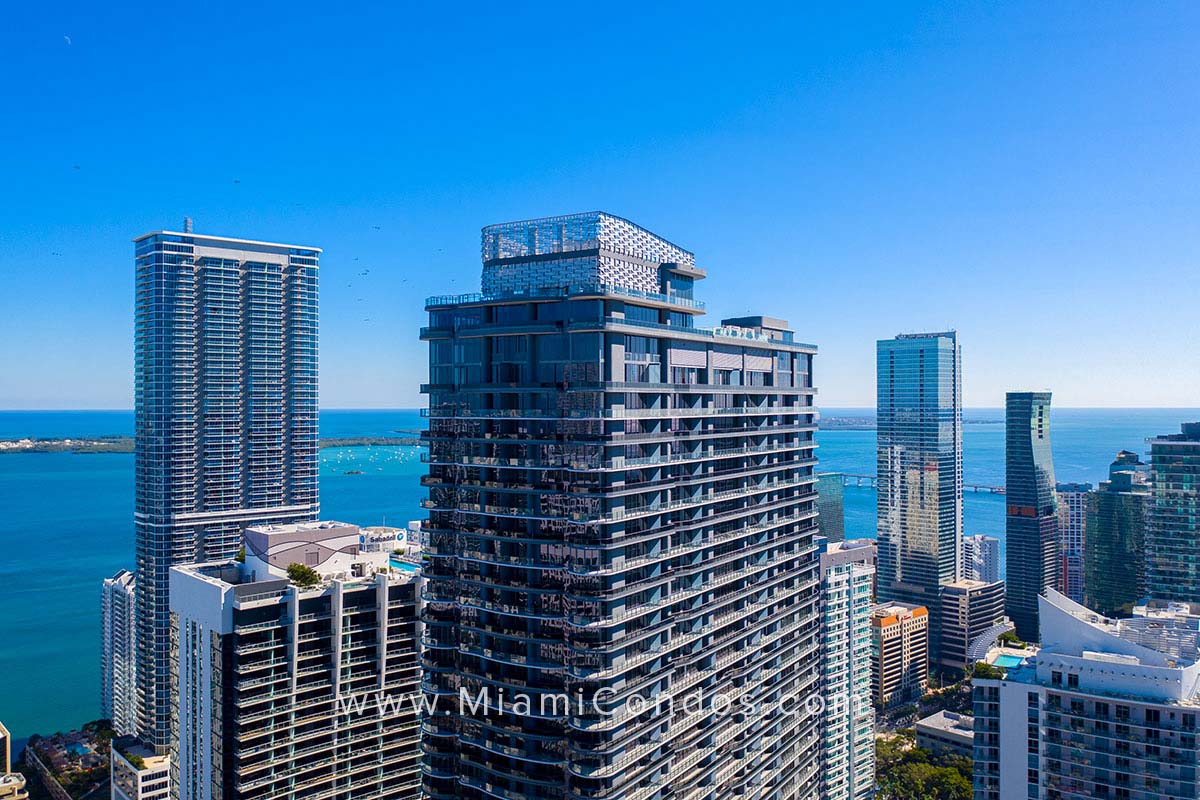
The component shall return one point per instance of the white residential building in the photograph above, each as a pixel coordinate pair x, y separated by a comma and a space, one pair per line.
118, 656
1072, 531
302, 686
848, 726
1106, 709
981, 558
138, 773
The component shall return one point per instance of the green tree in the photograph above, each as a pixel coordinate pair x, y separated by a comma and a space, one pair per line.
906, 772
986, 670
305, 577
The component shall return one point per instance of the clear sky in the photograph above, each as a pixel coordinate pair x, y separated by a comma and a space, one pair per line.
1026, 173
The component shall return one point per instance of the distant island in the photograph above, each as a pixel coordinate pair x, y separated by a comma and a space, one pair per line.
124, 444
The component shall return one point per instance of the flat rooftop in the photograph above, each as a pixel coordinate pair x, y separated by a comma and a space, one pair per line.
852, 544
129, 747
949, 722
218, 241
303, 527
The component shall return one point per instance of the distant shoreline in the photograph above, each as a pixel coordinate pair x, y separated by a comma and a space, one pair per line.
124, 444
407, 438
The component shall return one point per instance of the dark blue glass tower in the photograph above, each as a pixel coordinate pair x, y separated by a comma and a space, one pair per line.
621, 506
1031, 523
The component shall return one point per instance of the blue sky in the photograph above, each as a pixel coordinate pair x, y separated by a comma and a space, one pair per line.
1026, 173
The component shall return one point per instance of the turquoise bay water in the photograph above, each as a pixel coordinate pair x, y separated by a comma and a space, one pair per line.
68, 523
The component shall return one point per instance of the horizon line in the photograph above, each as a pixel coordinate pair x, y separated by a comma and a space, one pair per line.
818, 408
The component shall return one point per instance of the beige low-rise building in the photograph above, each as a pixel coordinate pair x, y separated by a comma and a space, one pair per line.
947, 732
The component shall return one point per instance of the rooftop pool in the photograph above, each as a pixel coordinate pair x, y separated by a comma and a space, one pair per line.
1006, 661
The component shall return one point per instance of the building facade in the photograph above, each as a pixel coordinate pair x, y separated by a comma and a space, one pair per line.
621, 506
947, 732
919, 468
1031, 520
831, 518
981, 558
848, 716
1107, 709
899, 654
1173, 533
12, 784
969, 610
118, 653
1115, 555
301, 687
854, 551
1073, 505
226, 417
138, 773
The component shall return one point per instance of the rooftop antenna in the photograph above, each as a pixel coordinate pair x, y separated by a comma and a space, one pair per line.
187, 224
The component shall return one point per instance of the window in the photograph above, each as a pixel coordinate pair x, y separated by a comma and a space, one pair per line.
517, 313
641, 313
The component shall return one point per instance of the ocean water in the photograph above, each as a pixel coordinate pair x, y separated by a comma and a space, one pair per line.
68, 522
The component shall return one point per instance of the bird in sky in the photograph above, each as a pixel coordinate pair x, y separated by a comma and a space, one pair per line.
67, 39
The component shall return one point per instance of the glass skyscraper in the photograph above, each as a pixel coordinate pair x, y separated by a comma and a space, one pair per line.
1031, 521
621, 519
1115, 552
226, 417
1173, 535
919, 468
831, 506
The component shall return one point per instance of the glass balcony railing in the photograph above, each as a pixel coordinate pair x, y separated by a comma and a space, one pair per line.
552, 292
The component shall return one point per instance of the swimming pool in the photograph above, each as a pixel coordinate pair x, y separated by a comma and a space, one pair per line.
1007, 661
405, 565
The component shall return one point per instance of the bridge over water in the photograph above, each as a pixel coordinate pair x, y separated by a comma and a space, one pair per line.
872, 481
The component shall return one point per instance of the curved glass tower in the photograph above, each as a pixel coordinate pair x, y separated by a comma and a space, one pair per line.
1031, 523
621, 518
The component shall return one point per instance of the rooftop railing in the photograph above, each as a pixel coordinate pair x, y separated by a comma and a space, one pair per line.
552, 292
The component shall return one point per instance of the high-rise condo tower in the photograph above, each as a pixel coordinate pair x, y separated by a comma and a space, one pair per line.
621, 518
226, 417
